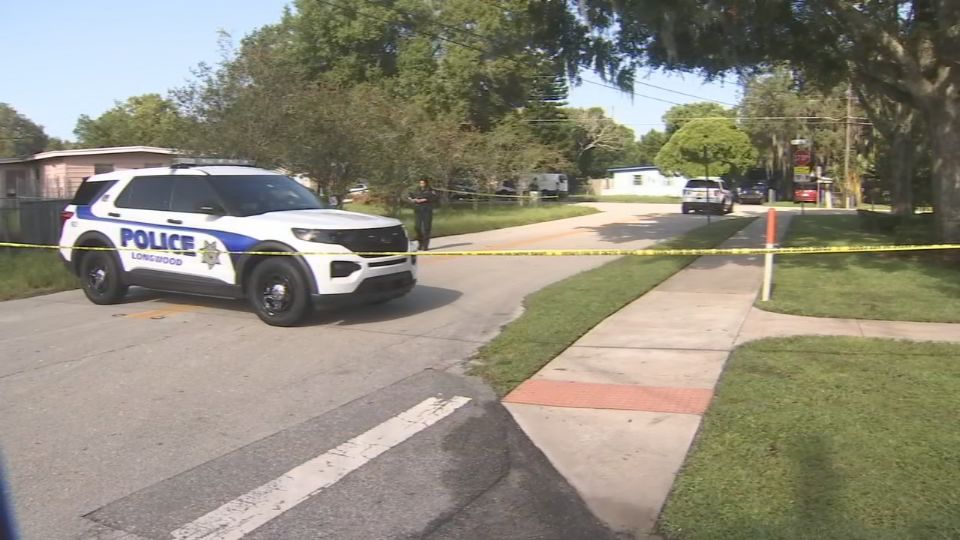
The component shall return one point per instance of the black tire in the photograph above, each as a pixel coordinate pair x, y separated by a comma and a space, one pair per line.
101, 278
729, 210
278, 292
684, 209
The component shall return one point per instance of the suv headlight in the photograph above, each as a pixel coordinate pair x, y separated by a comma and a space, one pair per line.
320, 236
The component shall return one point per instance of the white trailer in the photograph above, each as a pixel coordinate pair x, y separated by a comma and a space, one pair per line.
548, 184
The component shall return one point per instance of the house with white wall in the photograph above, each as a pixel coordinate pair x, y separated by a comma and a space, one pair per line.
641, 180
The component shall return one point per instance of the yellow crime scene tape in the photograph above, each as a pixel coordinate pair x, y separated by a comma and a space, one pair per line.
541, 252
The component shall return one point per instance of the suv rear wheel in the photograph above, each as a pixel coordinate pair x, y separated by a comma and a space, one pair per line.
278, 292
100, 278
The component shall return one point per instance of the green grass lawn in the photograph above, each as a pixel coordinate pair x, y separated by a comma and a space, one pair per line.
556, 316
449, 220
29, 272
826, 438
916, 286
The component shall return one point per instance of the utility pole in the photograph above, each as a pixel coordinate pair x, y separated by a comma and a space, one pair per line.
846, 150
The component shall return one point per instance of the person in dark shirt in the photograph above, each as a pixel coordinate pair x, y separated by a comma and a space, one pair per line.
424, 199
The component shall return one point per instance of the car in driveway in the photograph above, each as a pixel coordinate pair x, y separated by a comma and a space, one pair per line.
806, 192
235, 232
706, 195
752, 194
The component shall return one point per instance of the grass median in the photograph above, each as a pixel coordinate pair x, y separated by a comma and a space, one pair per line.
827, 438
451, 220
910, 286
556, 316
29, 272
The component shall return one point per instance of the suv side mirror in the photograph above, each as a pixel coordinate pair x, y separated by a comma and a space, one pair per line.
211, 209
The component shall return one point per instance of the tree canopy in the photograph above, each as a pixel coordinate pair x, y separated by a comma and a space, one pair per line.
678, 115
717, 145
18, 135
148, 120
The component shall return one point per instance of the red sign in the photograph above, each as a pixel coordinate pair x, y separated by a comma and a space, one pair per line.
801, 157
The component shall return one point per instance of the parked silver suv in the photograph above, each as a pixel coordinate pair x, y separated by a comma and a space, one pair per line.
707, 195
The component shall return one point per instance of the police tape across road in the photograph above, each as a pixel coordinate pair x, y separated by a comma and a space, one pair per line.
814, 250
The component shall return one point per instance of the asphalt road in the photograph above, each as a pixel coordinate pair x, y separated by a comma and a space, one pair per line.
144, 419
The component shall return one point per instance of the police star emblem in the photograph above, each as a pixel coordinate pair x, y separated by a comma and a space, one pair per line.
210, 255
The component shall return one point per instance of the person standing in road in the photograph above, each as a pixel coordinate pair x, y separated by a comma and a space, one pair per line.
424, 199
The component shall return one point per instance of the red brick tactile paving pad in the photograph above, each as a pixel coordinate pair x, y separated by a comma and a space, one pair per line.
627, 397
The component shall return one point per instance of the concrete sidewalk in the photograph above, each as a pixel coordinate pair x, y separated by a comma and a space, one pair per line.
616, 413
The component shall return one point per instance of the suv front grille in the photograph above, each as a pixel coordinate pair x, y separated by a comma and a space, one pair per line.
383, 240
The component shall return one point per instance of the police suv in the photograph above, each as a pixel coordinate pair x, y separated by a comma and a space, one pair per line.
192, 229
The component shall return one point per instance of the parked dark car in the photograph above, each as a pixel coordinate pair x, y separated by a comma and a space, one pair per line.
752, 194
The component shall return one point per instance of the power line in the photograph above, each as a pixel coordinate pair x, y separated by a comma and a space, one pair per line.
685, 94
631, 92
819, 120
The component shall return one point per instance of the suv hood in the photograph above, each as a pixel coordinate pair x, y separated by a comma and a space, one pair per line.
324, 219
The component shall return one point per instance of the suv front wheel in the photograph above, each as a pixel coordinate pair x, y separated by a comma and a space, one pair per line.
278, 292
100, 278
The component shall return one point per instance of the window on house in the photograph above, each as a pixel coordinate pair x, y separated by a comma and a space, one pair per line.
100, 168
638, 179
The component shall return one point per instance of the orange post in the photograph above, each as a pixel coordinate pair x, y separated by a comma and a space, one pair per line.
771, 227
768, 258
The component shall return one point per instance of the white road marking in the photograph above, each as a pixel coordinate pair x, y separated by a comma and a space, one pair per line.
255, 508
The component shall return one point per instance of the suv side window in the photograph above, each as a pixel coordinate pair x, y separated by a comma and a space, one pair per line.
88, 192
189, 194
147, 193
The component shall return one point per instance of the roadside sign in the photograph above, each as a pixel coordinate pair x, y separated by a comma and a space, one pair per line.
799, 142
802, 169
801, 157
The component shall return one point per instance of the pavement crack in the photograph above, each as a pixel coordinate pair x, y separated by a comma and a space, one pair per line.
82, 358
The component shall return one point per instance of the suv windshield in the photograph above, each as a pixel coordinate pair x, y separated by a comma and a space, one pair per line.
694, 184
248, 195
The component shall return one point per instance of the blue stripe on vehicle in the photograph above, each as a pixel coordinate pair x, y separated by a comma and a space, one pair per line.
232, 241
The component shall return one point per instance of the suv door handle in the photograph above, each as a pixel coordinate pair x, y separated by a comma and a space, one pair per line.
175, 221
113, 214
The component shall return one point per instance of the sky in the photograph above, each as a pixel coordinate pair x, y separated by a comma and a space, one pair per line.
64, 58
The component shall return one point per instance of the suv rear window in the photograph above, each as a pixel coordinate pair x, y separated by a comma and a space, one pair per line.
694, 184
90, 191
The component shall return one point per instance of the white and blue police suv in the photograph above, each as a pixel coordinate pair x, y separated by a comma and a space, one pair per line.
191, 229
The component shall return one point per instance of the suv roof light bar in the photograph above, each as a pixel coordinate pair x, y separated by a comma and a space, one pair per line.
184, 162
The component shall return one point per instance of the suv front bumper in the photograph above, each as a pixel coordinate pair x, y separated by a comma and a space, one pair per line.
702, 205
371, 290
